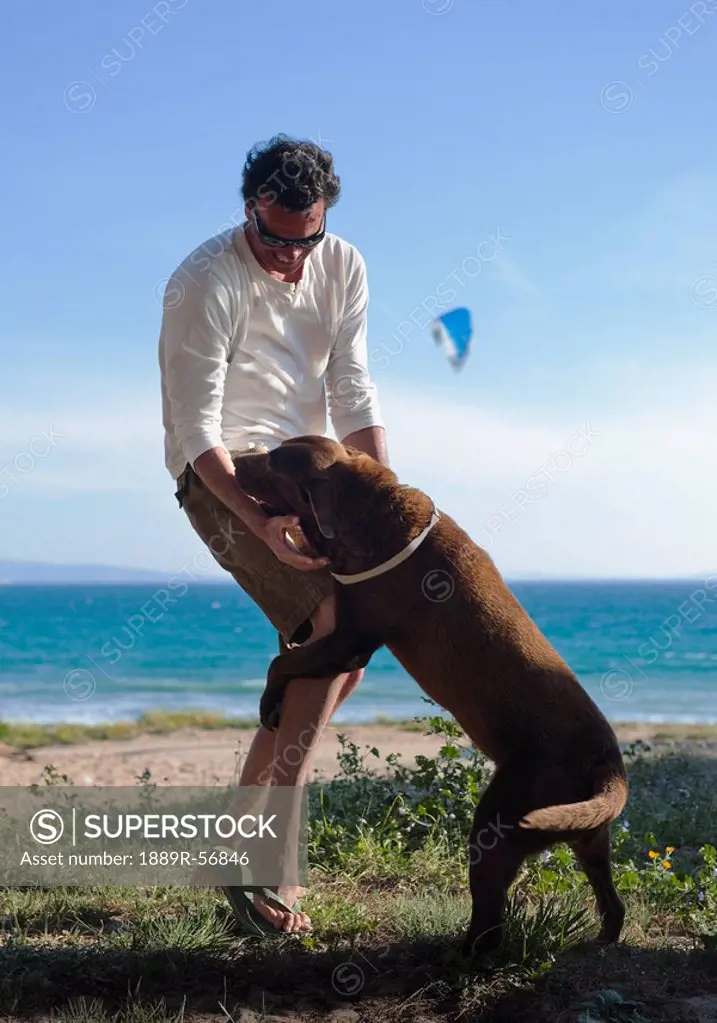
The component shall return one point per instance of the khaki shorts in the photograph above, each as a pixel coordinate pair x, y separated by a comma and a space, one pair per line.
287, 596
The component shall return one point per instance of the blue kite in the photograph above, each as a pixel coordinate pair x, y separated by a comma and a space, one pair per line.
453, 331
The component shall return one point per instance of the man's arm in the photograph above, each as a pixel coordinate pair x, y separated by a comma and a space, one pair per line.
372, 440
352, 396
194, 348
216, 470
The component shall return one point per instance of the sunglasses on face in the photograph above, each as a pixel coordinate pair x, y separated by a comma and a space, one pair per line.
274, 241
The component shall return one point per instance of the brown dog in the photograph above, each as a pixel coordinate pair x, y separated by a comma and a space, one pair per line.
415, 582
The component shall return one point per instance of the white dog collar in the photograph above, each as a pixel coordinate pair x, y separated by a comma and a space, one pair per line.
386, 566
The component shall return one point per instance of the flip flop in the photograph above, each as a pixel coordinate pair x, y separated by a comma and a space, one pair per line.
251, 920
241, 900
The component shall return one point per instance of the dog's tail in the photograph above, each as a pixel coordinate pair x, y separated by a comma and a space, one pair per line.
604, 806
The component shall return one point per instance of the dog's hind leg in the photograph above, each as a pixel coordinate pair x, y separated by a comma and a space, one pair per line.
592, 851
497, 849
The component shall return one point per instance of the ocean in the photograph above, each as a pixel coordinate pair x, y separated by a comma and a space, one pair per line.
646, 651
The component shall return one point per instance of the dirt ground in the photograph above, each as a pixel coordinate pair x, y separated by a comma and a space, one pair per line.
196, 757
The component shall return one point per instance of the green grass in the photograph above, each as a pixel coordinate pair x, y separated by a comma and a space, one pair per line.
33, 736
389, 903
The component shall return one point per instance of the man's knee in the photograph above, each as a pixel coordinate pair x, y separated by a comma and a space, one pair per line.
323, 619
320, 624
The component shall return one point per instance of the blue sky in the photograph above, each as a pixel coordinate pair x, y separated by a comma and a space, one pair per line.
579, 134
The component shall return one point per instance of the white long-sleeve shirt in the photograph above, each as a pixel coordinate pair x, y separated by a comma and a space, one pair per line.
246, 358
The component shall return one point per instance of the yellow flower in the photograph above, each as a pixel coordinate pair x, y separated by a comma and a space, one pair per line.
666, 864
652, 854
670, 849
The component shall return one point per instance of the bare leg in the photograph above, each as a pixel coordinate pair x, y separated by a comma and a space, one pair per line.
307, 708
264, 751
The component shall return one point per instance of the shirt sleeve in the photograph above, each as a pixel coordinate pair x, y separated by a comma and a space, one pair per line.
194, 350
351, 393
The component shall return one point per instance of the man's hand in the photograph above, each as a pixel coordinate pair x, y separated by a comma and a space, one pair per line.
272, 530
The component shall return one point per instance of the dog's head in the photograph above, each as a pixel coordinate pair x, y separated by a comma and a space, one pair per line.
330, 488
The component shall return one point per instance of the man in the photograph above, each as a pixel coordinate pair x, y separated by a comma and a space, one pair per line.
263, 327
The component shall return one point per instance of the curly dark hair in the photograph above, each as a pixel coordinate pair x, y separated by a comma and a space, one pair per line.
292, 172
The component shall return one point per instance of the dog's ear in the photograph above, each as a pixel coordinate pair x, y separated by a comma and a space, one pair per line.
319, 491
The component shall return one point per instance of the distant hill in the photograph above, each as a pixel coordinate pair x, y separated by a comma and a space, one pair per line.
42, 572
14, 573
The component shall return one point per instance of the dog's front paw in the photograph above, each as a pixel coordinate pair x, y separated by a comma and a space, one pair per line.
270, 709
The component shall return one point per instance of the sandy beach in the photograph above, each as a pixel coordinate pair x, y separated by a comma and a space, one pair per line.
190, 756
196, 756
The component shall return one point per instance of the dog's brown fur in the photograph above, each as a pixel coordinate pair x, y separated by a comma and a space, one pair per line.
448, 617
